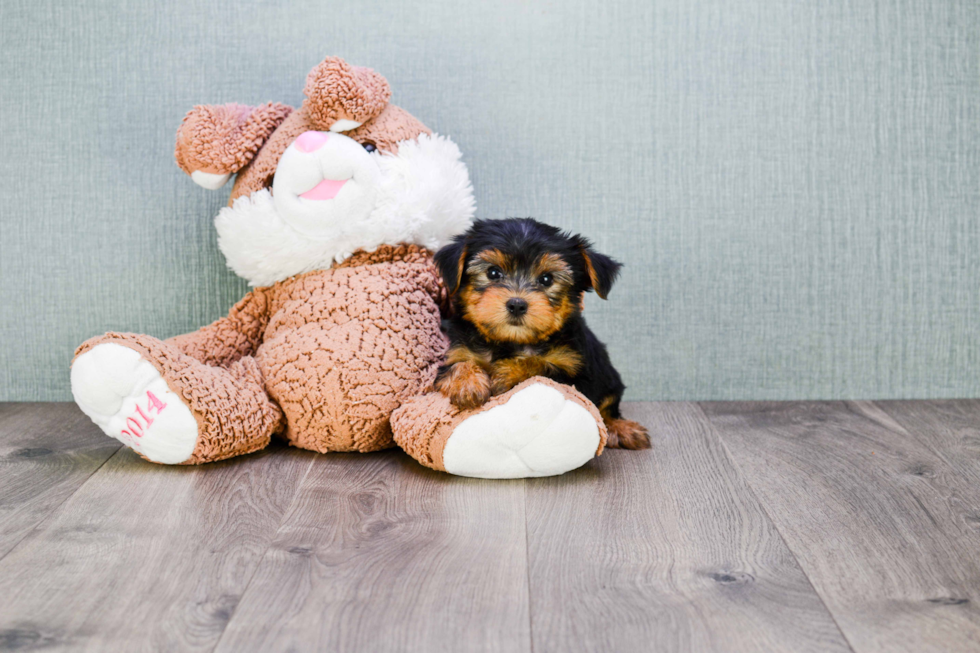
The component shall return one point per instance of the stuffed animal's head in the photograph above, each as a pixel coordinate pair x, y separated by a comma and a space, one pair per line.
345, 171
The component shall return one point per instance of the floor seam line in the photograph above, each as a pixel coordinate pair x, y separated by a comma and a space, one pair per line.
265, 552
926, 442
527, 572
779, 532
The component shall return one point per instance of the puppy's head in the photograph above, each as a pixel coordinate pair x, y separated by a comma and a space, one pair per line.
518, 280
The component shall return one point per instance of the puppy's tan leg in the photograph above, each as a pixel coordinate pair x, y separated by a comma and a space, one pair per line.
466, 384
623, 433
626, 434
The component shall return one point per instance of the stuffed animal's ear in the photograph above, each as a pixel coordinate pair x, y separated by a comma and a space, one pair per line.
451, 261
341, 97
602, 270
216, 140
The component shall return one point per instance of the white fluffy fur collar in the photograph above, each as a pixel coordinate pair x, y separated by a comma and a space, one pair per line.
424, 198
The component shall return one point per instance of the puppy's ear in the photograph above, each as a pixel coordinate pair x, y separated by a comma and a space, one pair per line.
601, 269
451, 261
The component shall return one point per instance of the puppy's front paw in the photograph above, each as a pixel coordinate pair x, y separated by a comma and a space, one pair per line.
466, 385
626, 434
500, 383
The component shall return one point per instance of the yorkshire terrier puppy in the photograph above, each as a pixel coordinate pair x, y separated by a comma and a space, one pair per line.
516, 287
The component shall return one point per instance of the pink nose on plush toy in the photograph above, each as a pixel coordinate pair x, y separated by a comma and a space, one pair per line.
311, 141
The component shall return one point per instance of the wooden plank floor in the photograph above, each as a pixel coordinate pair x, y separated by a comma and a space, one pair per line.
748, 527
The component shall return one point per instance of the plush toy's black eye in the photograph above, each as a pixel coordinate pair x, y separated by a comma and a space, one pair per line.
369, 147
546, 279
495, 273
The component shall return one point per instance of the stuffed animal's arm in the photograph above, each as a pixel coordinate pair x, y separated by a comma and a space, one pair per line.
430, 281
232, 337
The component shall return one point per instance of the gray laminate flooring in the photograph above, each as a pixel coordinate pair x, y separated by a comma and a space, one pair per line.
748, 527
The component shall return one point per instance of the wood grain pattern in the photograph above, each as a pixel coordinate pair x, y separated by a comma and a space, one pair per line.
380, 554
665, 550
880, 523
748, 527
949, 428
46, 452
146, 557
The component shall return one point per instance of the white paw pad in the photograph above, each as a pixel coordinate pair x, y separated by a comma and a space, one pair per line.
129, 400
537, 432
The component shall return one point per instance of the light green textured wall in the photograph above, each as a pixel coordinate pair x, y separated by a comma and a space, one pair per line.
794, 186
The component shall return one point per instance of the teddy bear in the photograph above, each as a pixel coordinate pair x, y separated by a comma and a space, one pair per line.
334, 214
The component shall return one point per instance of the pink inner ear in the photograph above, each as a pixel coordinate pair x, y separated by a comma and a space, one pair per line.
311, 141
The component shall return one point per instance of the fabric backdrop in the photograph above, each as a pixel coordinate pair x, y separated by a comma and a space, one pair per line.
793, 186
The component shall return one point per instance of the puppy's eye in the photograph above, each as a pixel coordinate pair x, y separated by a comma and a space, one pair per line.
495, 273
546, 279
369, 147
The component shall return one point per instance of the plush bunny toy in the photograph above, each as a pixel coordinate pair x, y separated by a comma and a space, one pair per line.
333, 216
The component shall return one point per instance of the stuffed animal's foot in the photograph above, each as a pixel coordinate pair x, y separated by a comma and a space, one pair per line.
170, 407
539, 428
536, 432
129, 400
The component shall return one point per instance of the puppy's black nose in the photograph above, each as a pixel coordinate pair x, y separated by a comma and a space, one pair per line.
516, 306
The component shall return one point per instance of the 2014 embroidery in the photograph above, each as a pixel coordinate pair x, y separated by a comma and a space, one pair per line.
136, 429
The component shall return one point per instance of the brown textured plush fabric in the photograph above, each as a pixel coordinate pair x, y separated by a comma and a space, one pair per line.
324, 357
223, 138
232, 337
336, 90
344, 347
422, 426
234, 415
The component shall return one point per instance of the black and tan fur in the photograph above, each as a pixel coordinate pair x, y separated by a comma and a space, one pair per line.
517, 287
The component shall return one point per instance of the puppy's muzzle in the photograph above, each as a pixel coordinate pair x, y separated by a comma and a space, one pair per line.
516, 307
